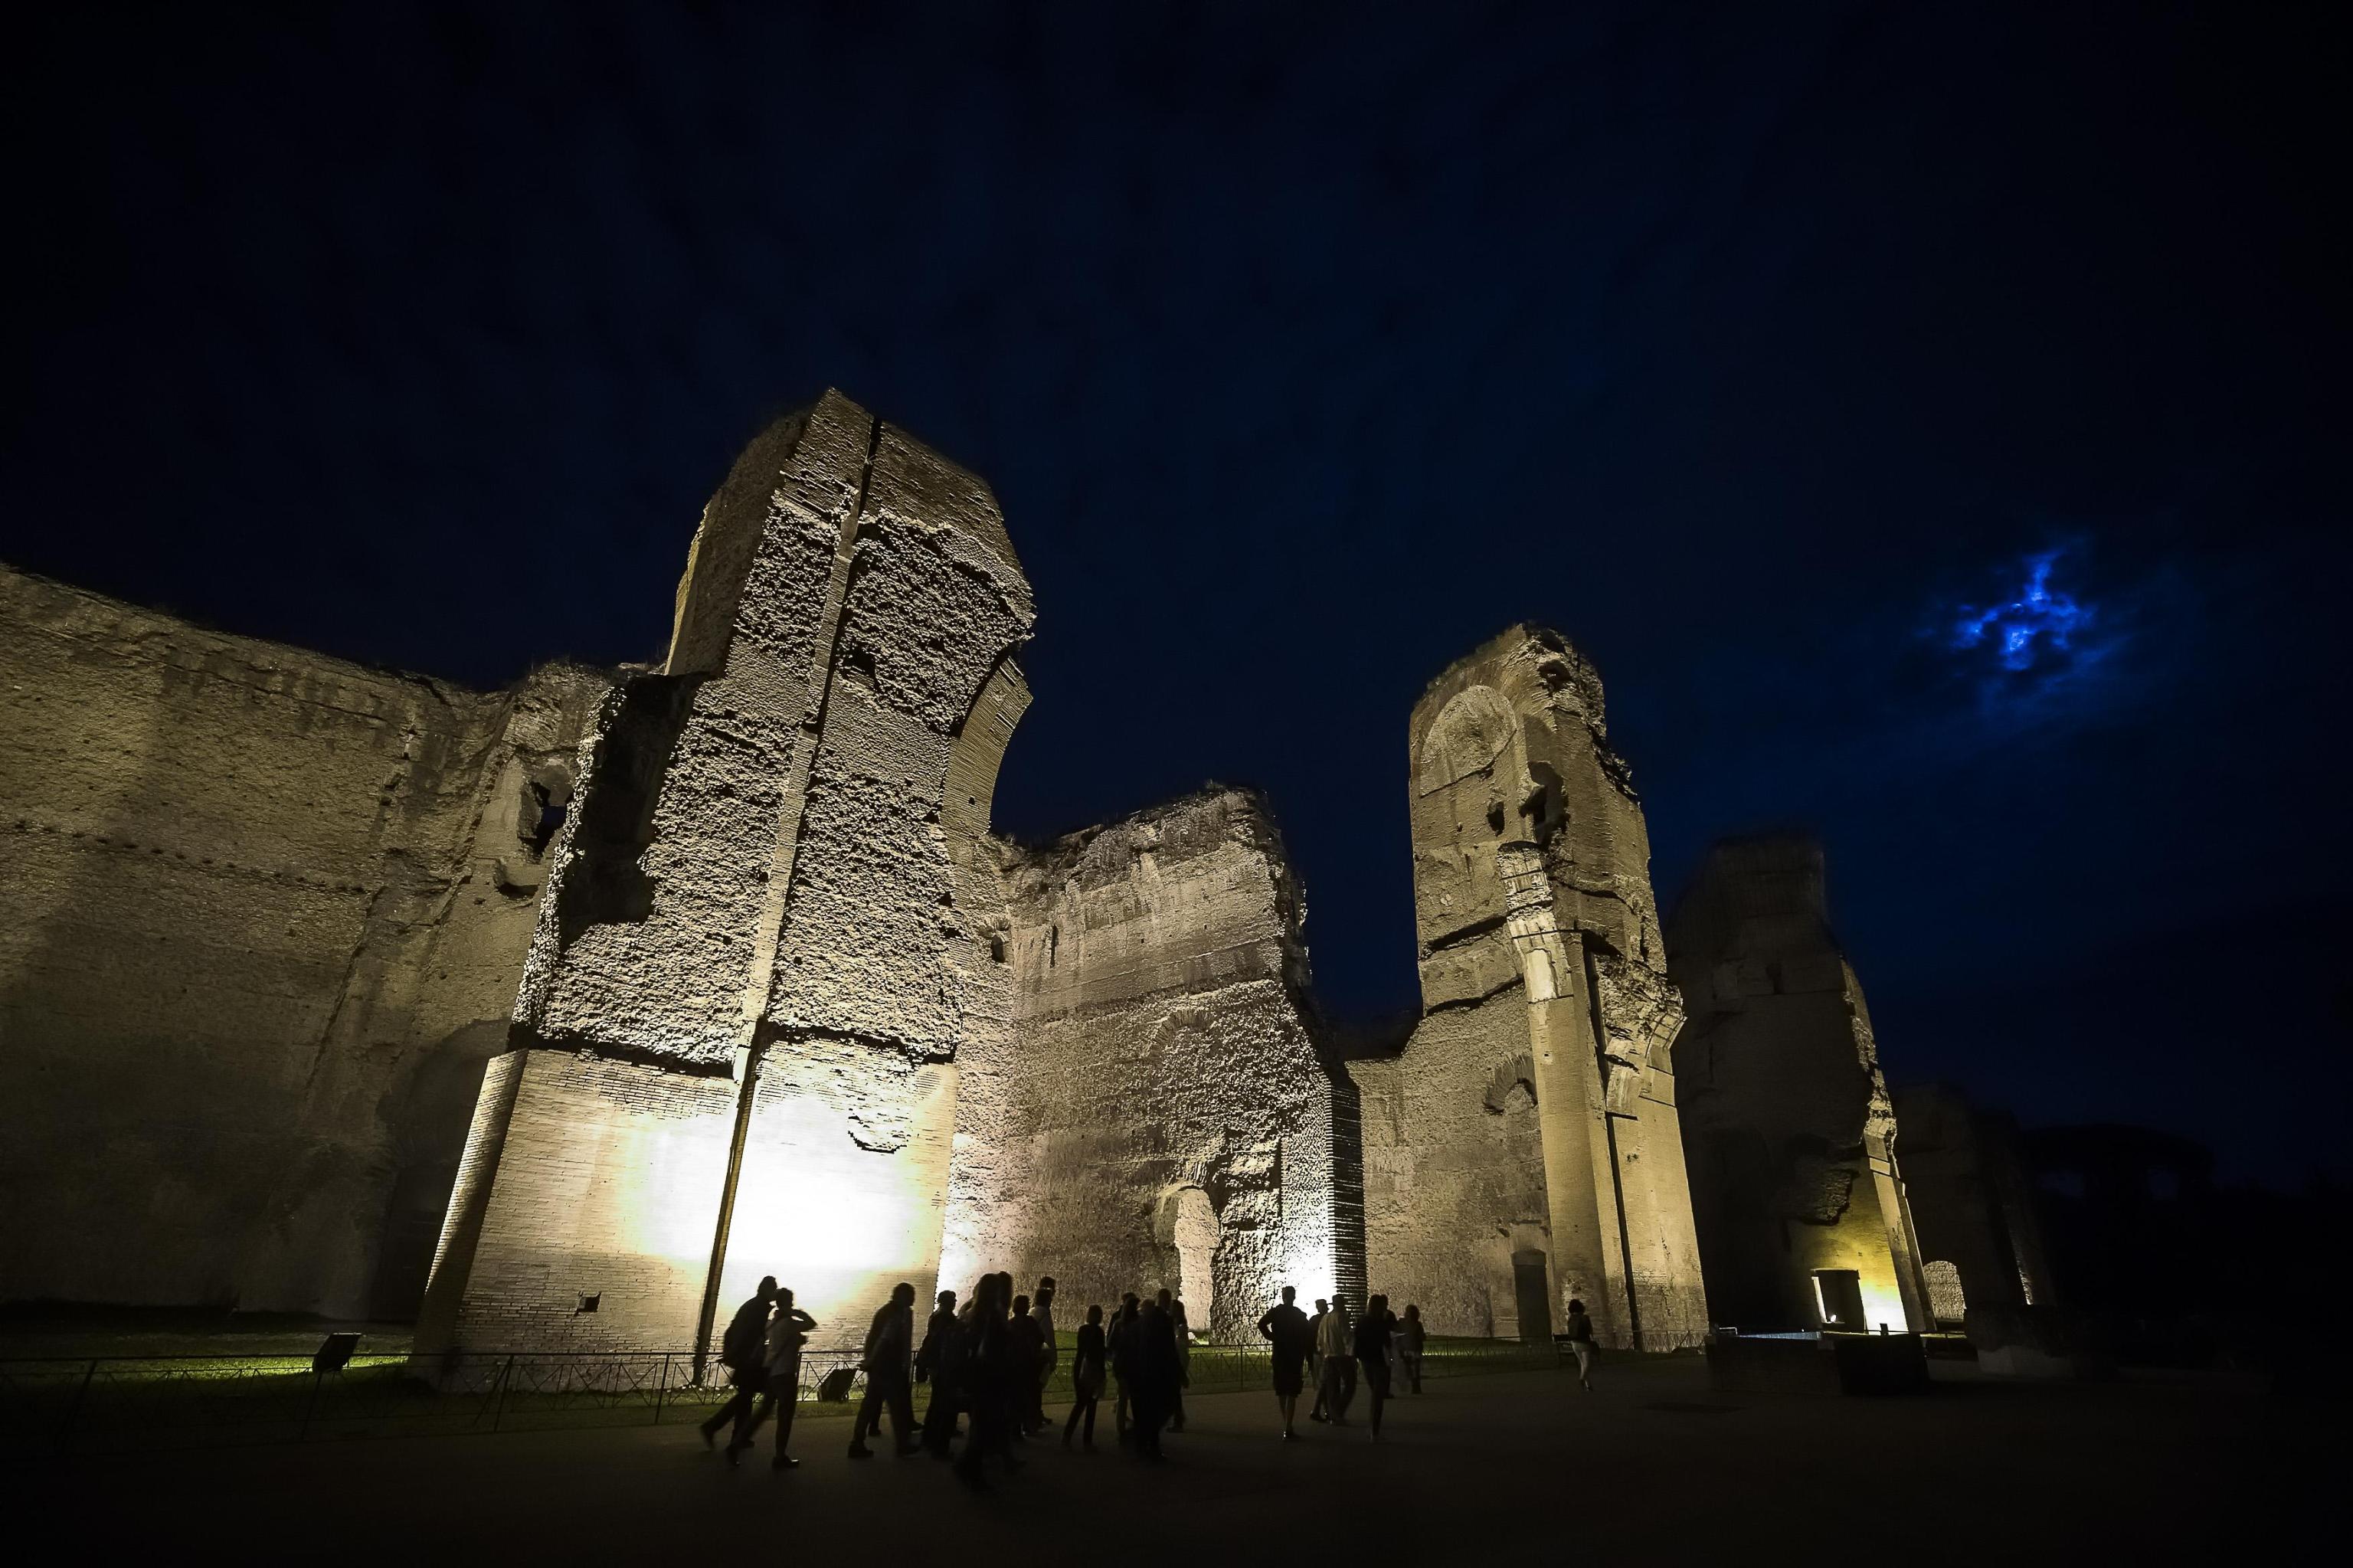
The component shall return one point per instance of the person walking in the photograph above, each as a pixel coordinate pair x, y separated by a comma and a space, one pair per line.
1029, 1350
1410, 1340
1086, 1378
1374, 1332
1336, 1341
1316, 1358
1041, 1307
939, 1361
988, 1359
1121, 1341
1180, 1340
890, 1346
747, 1374
1289, 1338
1580, 1340
788, 1331
1154, 1379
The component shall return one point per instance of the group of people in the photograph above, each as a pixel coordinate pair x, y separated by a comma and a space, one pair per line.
989, 1358
1380, 1349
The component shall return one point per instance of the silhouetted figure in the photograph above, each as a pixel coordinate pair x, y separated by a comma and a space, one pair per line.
1153, 1384
1336, 1342
1289, 1338
889, 1345
1180, 1340
740, 1350
1086, 1378
788, 1330
1041, 1307
1315, 1357
1374, 1331
1410, 1340
1580, 1340
1029, 1350
941, 1362
1123, 1342
989, 1373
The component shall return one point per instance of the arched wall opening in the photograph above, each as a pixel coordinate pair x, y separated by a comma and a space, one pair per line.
1189, 1225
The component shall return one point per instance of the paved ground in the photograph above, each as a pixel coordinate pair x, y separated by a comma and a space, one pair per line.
1504, 1469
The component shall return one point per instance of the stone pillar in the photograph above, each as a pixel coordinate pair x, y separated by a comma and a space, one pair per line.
768, 926
1531, 875
1589, 1239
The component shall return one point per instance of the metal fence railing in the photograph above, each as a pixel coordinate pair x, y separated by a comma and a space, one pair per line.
95, 1403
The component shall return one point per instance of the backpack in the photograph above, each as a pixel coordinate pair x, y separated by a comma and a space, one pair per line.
740, 1347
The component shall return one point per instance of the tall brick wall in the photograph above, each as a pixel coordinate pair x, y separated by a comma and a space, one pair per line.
1790, 1134
775, 896
265, 913
1160, 1047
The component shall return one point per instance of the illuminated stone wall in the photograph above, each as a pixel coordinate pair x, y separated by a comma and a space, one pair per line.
774, 894
263, 917
1788, 1131
1524, 1149
1971, 1196
1160, 1068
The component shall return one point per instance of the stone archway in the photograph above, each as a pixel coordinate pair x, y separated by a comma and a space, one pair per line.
1188, 1222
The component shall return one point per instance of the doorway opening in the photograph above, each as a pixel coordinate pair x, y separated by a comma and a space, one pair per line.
1839, 1294
1534, 1295
1195, 1231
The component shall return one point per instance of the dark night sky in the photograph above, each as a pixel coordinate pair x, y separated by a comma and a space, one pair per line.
1755, 349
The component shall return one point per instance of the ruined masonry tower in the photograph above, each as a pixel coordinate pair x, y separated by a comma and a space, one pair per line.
1524, 1150
770, 921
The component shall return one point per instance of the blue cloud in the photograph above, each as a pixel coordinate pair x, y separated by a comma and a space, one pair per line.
2039, 626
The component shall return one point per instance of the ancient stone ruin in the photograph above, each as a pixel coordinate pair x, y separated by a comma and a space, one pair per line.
593, 999
1524, 1149
1803, 1220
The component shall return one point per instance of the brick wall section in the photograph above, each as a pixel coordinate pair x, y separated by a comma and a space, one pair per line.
605, 1184
264, 914
1159, 1044
769, 888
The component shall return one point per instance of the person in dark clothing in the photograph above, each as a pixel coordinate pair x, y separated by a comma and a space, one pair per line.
1029, 1350
740, 1352
1580, 1340
1041, 1307
1372, 1334
1121, 1341
1287, 1334
1086, 1378
1154, 1381
988, 1372
1409, 1341
889, 1344
1180, 1341
941, 1362
1315, 1357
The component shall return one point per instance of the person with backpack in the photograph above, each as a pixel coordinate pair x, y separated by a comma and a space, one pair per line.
740, 1351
